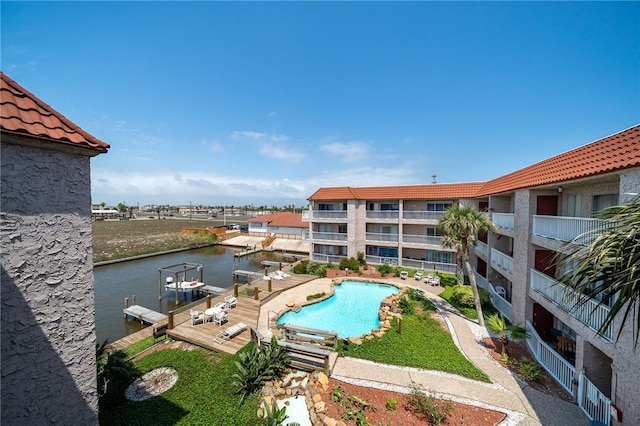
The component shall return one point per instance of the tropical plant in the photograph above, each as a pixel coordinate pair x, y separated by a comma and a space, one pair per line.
498, 324
434, 411
530, 370
608, 268
114, 372
274, 416
460, 224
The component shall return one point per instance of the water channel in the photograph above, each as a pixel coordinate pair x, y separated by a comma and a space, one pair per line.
140, 278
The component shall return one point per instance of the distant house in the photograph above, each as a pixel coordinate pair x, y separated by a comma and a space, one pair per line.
283, 223
47, 303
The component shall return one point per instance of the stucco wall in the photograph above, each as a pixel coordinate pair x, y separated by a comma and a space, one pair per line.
48, 321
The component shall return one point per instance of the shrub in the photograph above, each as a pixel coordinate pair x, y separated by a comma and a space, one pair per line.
315, 296
115, 372
351, 263
301, 267
406, 306
462, 295
384, 269
362, 260
392, 403
431, 409
530, 370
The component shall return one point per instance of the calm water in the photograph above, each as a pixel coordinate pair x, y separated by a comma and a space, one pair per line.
140, 278
351, 311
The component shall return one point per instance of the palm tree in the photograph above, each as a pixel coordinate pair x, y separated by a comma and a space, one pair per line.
460, 224
608, 268
498, 324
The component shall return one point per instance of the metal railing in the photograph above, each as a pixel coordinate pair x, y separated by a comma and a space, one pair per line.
502, 260
482, 248
501, 304
331, 236
564, 228
382, 260
422, 239
592, 401
423, 265
503, 220
383, 214
590, 313
559, 368
326, 258
381, 236
421, 215
329, 214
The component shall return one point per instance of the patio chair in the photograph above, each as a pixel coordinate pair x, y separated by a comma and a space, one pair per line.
230, 332
418, 276
231, 301
500, 291
197, 317
220, 318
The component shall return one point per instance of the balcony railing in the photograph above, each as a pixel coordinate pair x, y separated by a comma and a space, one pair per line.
331, 236
589, 313
386, 214
326, 258
381, 260
421, 215
422, 239
502, 260
592, 401
501, 304
423, 265
305, 234
503, 220
559, 368
379, 236
566, 229
482, 248
329, 214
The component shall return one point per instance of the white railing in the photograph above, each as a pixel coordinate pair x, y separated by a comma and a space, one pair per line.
332, 236
305, 234
380, 260
482, 248
501, 304
380, 236
502, 260
421, 215
589, 313
306, 215
503, 220
326, 258
422, 239
329, 214
566, 229
383, 214
592, 401
559, 368
423, 265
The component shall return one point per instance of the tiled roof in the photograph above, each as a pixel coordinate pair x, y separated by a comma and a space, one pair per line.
436, 191
615, 152
283, 219
22, 113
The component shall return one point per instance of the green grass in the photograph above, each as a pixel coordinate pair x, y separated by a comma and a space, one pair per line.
203, 394
487, 308
139, 346
422, 344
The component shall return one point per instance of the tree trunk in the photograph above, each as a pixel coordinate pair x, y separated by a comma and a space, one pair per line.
474, 288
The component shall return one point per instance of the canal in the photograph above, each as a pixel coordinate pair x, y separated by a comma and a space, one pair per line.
140, 278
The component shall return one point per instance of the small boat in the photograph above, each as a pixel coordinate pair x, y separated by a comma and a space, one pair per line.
182, 286
176, 278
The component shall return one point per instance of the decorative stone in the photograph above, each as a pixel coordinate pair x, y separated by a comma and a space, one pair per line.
320, 407
317, 398
323, 379
328, 421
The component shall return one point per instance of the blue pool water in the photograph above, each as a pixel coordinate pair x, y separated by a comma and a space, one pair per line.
352, 311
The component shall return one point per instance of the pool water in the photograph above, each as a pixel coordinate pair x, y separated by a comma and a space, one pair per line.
351, 312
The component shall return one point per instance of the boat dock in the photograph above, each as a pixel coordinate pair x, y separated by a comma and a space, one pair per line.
280, 265
213, 290
247, 251
241, 273
143, 314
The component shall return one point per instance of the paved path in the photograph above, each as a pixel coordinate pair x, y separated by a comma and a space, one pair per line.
522, 404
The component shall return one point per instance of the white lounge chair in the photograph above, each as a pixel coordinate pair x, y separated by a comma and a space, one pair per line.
230, 332
418, 276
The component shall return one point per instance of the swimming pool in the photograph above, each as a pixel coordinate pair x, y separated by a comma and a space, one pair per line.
352, 310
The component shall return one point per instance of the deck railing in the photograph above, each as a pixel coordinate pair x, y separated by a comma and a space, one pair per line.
503, 220
382, 260
502, 260
589, 313
592, 401
421, 215
422, 239
381, 236
423, 265
501, 304
559, 368
331, 236
329, 214
482, 248
566, 229
326, 258
383, 214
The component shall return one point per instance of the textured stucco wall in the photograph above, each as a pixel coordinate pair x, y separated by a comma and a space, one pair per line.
48, 321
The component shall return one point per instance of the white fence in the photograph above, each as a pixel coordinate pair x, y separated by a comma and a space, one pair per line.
482, 248
503, 220
502, 260
423, 265
566, 229
593, 402
501, 304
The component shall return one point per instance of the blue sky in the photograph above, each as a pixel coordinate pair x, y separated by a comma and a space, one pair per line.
263, 103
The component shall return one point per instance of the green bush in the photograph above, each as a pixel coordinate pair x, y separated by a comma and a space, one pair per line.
434, 411
406, 306
351, 263
115, 372
362, 260
530, 370
384, 269
462, 296
301, 267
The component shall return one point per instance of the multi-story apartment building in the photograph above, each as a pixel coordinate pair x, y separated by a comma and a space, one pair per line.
537, 210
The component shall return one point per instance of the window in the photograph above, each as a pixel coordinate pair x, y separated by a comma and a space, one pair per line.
342, 228
572, 207
439, 256
601, 202
438, 207
389, 206
325, 206
434, 232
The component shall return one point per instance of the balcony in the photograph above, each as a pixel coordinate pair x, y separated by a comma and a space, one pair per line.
566, 229
503, 220
381, 260
501, 304
330, 236
482, 248
421, 215
590, 313
502, 260
423, 265
379, 236
386, 214
422, 239
327, 214
326, 258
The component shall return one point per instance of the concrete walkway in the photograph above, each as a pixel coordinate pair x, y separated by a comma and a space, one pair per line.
522, 404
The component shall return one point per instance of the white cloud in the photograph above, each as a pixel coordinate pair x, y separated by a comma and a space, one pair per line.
347, 151
256, 136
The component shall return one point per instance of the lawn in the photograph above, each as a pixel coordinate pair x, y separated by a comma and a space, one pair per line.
422, 344
203, 394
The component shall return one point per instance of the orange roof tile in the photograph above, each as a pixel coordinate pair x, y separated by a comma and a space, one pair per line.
437, 191
615, 152
283, 219
22, 113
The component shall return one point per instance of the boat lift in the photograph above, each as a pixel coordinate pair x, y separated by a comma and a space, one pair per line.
176, 270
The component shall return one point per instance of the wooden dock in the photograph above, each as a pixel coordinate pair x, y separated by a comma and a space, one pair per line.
145, 315
247, 252
241, 273
213, 290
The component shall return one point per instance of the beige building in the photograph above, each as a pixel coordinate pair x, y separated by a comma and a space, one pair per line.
536, 209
